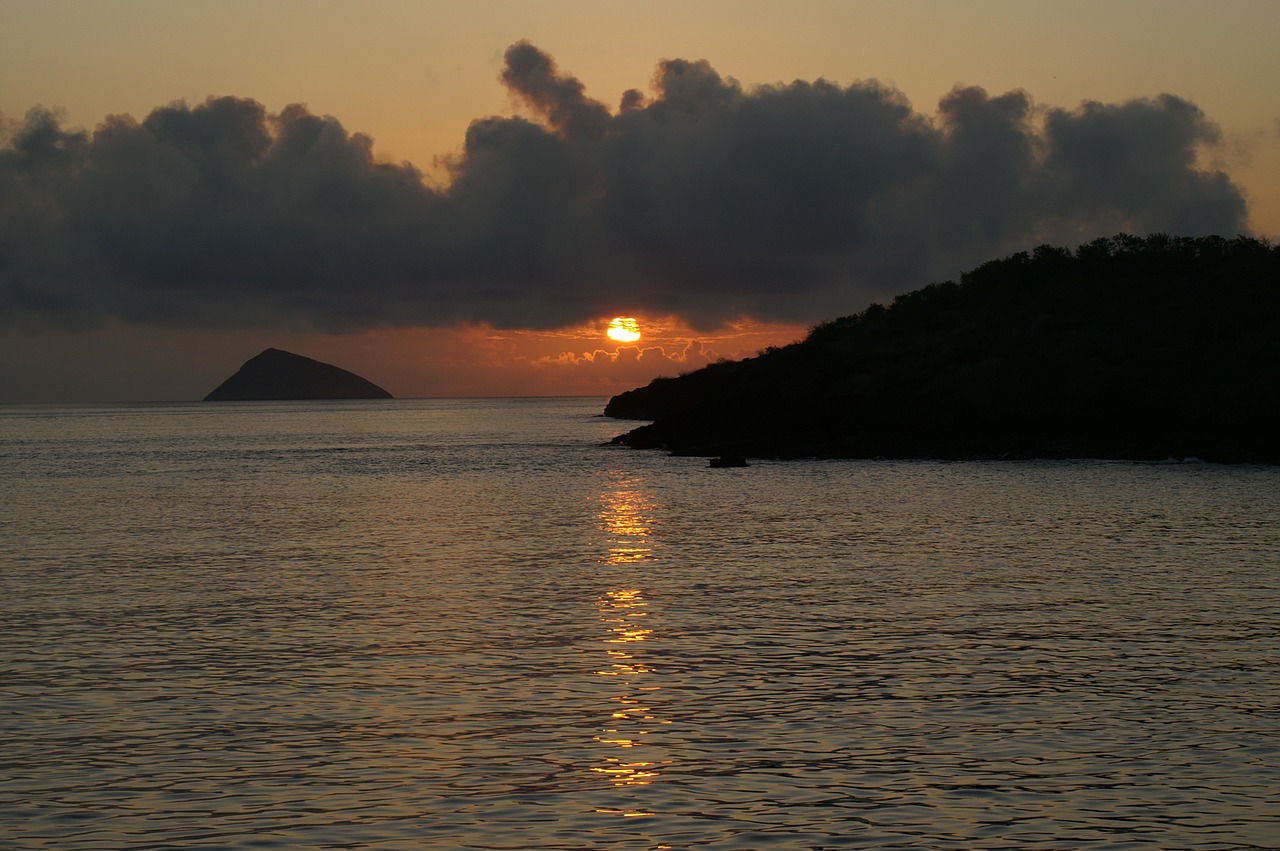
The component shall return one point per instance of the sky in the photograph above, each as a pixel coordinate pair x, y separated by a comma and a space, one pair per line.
454, 199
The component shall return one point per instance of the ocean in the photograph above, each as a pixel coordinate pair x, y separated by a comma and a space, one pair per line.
473, 624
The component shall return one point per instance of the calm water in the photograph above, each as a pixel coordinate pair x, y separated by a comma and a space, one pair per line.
467, 624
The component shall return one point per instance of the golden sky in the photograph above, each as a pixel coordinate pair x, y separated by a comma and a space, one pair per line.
413, 75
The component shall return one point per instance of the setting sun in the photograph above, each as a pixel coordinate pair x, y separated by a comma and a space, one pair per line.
623, 329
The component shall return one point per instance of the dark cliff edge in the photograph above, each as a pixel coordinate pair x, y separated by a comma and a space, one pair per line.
277, 375
1126, 348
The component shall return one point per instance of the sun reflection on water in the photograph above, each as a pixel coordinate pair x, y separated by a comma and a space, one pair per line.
626, 517
632, 721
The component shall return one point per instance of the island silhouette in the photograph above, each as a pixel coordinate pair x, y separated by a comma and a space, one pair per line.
277, 375
1126, 348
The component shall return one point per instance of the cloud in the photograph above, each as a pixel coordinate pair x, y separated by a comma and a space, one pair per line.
704, 199
533, 76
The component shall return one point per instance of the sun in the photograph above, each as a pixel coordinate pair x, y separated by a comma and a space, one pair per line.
624, 329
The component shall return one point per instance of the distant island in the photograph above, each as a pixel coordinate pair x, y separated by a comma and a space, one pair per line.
278, 375
1125, 348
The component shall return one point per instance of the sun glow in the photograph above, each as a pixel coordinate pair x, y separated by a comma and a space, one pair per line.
624, 329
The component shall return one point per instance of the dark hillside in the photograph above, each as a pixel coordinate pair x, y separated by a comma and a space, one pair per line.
1125, 348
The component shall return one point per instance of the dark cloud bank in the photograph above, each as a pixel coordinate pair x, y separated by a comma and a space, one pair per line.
702, 199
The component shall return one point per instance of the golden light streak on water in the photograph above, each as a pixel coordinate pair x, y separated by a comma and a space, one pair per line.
632, 719
626, 518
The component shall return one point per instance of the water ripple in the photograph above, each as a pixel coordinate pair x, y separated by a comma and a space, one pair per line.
284, 627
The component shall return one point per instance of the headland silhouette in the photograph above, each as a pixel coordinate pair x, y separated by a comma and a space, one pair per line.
1125, 348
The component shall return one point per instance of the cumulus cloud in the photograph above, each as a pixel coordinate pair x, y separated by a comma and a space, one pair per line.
703, 199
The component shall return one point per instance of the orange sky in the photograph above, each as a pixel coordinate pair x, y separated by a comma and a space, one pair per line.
413, 73
156, 364
574, 361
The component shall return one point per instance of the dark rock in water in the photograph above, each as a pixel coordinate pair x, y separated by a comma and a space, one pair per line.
728, 461
277, 375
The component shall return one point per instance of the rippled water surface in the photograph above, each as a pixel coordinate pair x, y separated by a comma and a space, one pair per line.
467, 624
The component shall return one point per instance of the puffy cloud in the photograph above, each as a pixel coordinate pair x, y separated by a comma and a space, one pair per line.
533, 76
704, 200
1113, 164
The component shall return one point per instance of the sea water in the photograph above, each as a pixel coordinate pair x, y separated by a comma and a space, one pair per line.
471, 624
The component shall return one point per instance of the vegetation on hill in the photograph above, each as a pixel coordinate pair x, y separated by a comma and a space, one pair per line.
1126, 347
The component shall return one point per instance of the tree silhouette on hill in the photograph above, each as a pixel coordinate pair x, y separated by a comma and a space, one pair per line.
1126, 347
